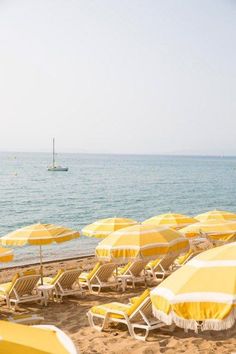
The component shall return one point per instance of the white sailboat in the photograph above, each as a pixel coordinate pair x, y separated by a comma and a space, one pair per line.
54, 166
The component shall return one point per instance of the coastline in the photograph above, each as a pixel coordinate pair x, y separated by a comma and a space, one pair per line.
34, 264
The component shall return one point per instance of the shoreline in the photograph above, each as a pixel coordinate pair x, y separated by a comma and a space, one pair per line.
48, 262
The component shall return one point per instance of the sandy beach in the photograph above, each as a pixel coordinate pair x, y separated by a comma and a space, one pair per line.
70, 316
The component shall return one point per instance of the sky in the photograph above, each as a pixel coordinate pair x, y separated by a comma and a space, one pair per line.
108, 76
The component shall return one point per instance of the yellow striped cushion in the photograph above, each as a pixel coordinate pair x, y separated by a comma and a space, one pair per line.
54, 279
103, 309
133, 299
11, 284
91, 274
122, 270
88, 275
138, 302
180, 260
4, 288
152, 264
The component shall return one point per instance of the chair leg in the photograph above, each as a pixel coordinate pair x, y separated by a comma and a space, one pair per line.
97, 327
138, 336
8, 302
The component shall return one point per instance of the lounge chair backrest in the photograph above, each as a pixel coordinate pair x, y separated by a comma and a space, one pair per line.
25, 285
68, 278
165, 262
104, 272
136, 268
144, 311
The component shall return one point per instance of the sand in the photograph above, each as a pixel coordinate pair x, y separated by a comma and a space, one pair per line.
70, 316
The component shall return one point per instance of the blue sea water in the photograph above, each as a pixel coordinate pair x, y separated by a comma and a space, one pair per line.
100, 186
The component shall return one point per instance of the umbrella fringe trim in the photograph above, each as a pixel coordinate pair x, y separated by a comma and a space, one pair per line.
218, 325
206, 325
138, 257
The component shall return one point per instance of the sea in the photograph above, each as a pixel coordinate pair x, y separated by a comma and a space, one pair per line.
102, 186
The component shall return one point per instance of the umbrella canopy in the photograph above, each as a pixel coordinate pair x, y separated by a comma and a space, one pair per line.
20, 339
204, 290
215, 230
103, 227
141, 242
174, 221
219, 215
39, 234
6, 255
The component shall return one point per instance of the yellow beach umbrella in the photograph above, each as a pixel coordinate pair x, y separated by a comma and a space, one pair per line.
103, 227
175, 221
219, 215
6, 255
201, 293
20, 339
141, 242
39, 235
215, 230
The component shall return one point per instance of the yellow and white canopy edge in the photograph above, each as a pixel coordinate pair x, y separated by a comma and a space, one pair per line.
174, 221
6, 255
204, 290
103, 227
224, 231
220, 215
20, 339
39, 234
140, 241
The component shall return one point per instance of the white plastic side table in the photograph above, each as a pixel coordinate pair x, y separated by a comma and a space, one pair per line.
47, 291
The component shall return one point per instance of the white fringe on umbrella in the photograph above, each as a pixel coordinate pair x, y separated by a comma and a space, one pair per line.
205, 325
218, 325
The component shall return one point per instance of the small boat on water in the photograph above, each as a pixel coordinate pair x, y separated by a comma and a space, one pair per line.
54, 166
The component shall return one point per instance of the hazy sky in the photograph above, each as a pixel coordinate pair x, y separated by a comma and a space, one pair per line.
118, 76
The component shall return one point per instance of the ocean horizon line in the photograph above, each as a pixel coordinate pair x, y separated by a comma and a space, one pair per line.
122, 154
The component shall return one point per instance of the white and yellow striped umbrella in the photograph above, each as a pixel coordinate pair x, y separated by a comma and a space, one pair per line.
6, 255
39, 235
104, 227
174, 221
215, 230
219, 215
21, 339
141, 242
201, 293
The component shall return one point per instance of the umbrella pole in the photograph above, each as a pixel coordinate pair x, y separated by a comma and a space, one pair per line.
41, 263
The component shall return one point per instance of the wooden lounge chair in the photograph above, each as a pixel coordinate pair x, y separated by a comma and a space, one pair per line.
137, 316
101, 276
66, 282
133, 272
22, 288
162, 268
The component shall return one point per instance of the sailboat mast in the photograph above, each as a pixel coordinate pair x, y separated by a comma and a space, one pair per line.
53, 152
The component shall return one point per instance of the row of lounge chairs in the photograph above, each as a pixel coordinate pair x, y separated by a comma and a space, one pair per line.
24, 286
137, 314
